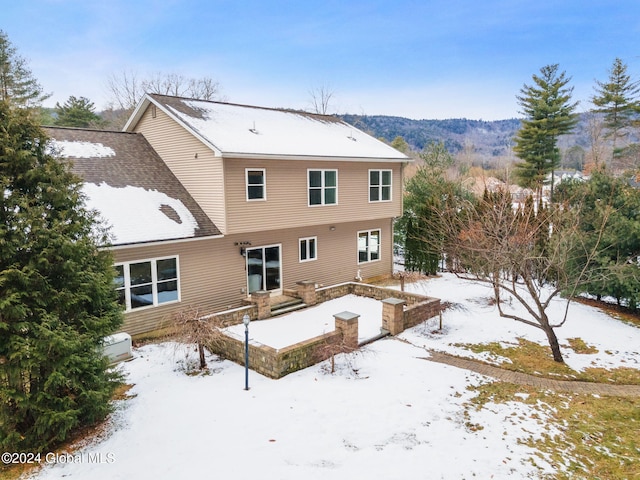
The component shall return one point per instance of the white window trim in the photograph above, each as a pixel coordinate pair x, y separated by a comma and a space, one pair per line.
323, 187
306, 239
368, 232
264, 184
154, 282
380, 186
276, 291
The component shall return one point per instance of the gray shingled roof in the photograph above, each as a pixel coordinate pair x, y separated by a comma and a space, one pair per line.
131, 162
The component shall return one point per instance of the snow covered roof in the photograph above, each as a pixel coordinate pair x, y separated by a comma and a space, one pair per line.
243, 131
132, 188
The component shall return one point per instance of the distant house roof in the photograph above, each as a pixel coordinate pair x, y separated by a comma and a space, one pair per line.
132, 188
242, 131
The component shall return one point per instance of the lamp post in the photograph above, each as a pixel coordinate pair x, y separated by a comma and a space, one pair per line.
246, 319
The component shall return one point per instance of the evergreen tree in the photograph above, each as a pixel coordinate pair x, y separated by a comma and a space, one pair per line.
401, 145
17, 84
617, 100
549, 113
57, 299
77, 112
426, 192
615, 271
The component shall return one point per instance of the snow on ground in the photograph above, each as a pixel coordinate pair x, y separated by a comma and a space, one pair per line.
387, 412
473, 319
311, 322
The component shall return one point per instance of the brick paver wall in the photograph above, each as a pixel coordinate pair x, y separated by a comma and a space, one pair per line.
276, 363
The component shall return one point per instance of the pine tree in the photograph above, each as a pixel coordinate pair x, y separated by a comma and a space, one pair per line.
617, 100
549, 113
426, 192
17, 84
57, 299
615, 270
77, 112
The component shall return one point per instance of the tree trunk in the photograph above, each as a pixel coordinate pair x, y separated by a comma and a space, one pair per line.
203, 362
553, 343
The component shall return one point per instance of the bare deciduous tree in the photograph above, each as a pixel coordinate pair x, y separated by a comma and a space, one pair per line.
127, 89
596, 153
532, 255
408, 276
191, 327
329, 350
321, 98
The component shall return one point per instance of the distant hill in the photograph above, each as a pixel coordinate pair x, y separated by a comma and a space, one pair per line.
485, 139
488, 138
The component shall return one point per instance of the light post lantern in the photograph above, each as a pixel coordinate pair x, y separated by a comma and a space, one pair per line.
246, 319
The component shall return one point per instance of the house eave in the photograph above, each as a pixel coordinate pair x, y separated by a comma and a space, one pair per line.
122, 246
315, 158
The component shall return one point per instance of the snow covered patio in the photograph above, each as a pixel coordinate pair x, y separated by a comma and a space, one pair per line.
312, 322
342, 317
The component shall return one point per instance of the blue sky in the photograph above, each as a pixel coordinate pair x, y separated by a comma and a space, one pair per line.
417, 59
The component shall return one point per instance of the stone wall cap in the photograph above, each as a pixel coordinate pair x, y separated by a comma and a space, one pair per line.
393, 301
346, 315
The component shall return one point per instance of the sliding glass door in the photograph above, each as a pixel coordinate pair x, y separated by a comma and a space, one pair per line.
263, 268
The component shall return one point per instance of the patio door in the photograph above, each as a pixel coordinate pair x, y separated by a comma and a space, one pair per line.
264, 269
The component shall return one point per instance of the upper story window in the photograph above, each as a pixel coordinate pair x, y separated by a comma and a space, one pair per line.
368, 246
308, 249
256, 183
380, 185
147, 283
323, 187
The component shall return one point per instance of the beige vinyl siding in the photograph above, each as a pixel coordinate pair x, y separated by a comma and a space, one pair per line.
211, 276
191, 161
212, 272
337, 251
287, 195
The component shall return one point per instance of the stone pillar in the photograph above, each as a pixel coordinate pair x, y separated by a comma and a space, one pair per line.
347, 324
307, 291
261, 299
393, 315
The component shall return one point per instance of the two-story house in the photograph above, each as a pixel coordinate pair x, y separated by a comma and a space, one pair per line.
212, 201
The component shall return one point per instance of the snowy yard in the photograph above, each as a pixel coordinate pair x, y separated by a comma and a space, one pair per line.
397, 416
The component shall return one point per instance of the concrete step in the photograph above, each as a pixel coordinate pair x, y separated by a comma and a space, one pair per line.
287, 307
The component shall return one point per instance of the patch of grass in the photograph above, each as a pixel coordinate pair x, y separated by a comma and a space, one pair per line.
579, 346
535, 359
600, 436
121, 392
15, 471
616, 376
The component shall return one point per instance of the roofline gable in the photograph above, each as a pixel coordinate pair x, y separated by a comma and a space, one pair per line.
142, 108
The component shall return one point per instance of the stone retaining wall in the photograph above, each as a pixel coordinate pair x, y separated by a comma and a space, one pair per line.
276, 363
401, 310
234, 316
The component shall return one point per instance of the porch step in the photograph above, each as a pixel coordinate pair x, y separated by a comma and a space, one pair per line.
288, 306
